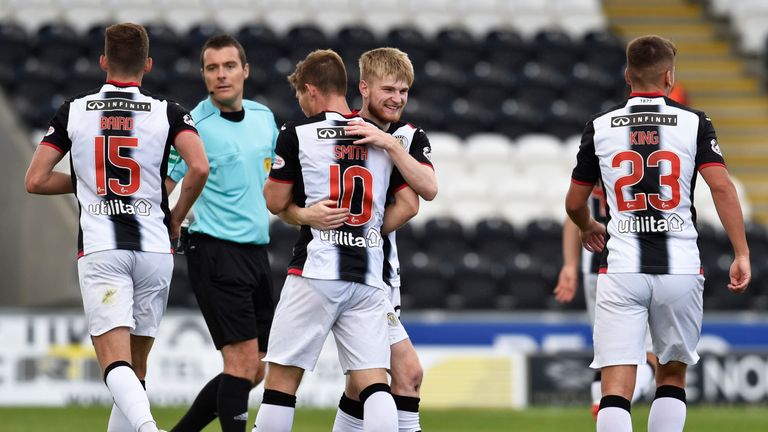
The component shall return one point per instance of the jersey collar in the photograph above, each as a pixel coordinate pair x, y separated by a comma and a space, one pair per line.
646, 94
123, 84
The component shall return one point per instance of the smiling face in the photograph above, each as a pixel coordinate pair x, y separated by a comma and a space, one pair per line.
384, 99
224, 76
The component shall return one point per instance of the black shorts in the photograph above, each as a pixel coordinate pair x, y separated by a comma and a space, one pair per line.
233, 286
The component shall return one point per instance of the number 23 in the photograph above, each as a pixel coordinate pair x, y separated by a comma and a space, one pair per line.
640, 200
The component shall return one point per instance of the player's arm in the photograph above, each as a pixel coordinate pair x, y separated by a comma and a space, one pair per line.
405, 207
592, 231
568, 279
729, 210
323, 215
191, 149
278, 196
41, 177
420, 177
170, 185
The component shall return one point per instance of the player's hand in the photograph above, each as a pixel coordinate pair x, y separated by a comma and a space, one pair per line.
370, 135
324, 215
593, 239
175, 230
566, 284
740, 275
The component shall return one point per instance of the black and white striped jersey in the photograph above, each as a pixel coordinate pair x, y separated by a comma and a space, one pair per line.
647, 152
118, 138
321, 162
416, 142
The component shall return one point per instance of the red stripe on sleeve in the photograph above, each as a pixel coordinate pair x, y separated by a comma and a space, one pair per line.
280, 181
582, 183
185, 130
401, 187
53, 146
702, 166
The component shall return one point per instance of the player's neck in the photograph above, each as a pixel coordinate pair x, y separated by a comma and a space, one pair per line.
124, 79
336, 103
650, 89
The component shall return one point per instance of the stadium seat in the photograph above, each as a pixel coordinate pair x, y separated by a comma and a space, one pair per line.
476, 284
423, 284
524, 285
495, 240
14, 43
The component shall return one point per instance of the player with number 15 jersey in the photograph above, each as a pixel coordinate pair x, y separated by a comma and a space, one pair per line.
119, 137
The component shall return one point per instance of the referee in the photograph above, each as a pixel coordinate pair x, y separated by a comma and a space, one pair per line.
226, 253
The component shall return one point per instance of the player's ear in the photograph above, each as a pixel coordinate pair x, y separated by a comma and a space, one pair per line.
246, 70
103, 63
626, 77
148, 65
363, 87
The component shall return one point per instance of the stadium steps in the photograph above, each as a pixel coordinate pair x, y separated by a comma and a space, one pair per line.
716, 79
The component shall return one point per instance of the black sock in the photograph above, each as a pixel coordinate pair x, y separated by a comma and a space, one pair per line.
351, 407
203, 409
233, 403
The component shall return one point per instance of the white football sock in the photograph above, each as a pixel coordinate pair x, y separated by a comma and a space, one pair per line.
408, 421
644, 379
667, 415
597, 392
614, 419
274, 418
118, 422
347, 423
130, 398
380, 413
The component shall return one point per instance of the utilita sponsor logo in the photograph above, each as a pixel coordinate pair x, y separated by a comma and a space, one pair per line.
651, 224
117, 207
343, 238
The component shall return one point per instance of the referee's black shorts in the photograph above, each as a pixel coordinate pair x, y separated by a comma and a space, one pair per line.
233, 286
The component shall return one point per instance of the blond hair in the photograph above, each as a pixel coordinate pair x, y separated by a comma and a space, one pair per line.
385, 62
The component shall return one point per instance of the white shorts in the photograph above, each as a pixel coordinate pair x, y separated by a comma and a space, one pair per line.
628, 303
124, 288
590, 295
397, 331
359, 316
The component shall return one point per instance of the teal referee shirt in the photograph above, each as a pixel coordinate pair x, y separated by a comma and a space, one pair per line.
240, 153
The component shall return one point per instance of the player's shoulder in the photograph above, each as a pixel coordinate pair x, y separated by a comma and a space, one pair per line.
608, 111
83, 95
677, 105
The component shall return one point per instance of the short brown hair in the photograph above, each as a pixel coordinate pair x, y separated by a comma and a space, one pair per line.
385, 62
648, 57
126, 47
222, 41
323, 69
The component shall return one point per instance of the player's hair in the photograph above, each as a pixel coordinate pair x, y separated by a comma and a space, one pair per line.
126, 47
385, 62
649, 57
223, 41
323, 69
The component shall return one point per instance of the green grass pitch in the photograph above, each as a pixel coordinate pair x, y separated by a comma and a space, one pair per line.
700, 419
